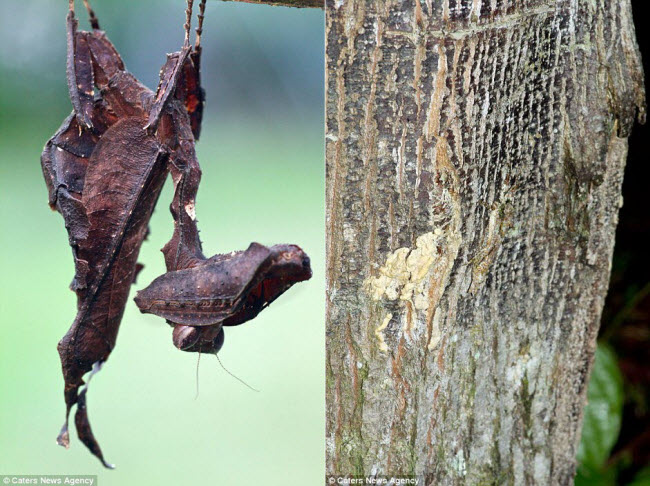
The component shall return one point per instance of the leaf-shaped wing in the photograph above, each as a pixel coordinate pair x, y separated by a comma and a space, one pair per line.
208, 293
286, 266
123, 180
228, 289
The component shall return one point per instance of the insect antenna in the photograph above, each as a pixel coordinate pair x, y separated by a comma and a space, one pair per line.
199, 29
188, 22
197, 376
234, 376
94, 23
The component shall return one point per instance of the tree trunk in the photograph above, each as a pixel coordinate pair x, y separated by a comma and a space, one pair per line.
475, 154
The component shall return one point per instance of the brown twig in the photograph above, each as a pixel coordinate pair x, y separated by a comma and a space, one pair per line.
286, 3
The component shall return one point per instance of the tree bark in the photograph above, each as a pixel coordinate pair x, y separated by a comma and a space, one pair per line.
475, 154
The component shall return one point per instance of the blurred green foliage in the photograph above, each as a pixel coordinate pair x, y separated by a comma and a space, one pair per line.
602, 419
263, 180
642, 478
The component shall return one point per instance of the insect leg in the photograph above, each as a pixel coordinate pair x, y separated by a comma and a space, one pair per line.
92, 61
94, 23
106, 60
199, 29
189, 88
184, 249
79, 71
170, 75
188, 22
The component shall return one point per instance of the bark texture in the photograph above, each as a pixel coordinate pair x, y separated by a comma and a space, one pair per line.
475, 154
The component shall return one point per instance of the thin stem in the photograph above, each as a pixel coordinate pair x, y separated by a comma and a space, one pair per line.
188, 21
199, 29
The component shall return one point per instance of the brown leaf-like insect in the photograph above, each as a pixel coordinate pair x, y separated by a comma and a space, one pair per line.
225, 290
104, 169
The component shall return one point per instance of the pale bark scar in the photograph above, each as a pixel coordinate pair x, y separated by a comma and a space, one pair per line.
420, 275
379, 333
435, 331
403, 276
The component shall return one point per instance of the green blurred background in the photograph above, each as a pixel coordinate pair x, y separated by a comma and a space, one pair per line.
263, 180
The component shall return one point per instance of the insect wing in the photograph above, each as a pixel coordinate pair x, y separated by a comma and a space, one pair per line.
206, 294
123, 180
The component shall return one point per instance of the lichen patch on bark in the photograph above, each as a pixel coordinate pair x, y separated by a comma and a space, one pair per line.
416, 276
403, 275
